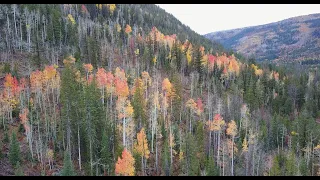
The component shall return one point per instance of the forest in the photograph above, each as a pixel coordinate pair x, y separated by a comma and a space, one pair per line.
115, 90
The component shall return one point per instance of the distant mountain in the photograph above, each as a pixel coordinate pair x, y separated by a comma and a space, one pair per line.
293, 39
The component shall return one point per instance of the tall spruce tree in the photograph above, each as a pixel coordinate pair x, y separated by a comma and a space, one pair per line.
14, 151
68, 169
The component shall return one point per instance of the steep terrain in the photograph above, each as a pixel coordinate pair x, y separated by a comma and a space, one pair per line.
121, 90
293, 39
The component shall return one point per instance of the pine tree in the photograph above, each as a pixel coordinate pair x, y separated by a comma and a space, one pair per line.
6, 137
211, 169
14, 153
68, 169
193, 163
106, 151
291, 168
138, 104
19, 170
275, 170
200, 143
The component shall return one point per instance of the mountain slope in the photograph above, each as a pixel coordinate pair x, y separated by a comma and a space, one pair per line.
293, 39
38, 29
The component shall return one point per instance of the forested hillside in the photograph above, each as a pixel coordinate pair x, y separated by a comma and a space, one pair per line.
115, 90
291, 40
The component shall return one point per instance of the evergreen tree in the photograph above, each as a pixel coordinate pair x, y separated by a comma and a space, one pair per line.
275, 170
139, 105
291, 168
18, 171
211, 169
106, 157
6, 137
193, 164
14, 151
68, 169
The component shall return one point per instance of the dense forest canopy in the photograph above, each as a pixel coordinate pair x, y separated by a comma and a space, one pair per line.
105, 89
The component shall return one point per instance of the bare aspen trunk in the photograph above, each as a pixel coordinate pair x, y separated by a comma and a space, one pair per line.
232, 157
79, 153
124, 132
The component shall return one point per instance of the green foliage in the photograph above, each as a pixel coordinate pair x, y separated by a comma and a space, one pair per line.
193, 164
18, 170
291, 168
304, 169
68, 169
211, 169
14, 150
106, 156
275, 170
139, 107
166, 158
200, 140
6, 68
6, 137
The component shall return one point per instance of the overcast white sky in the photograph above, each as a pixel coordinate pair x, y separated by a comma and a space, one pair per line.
206, 18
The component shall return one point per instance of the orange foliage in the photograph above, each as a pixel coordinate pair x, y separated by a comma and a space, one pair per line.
110, 80
12, 84
167, 86
128, 29
120, 82
125, 165
36, 80
49, 72
216, 124
101, 77
191, 104
88, 67
211, 61
199, 106
69, 61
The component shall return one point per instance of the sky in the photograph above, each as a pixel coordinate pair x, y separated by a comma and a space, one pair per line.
207, 18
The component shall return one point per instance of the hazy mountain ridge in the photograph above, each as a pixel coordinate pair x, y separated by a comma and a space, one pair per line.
292, 39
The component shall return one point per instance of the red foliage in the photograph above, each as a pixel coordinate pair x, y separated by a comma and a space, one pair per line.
200, 105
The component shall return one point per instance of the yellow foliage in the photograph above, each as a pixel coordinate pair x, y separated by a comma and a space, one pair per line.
136, 52
88, 67
181, 155
69, 60
216, 124
71, 19
317, 147
171, 140
141, 146
50, 154
118, 28
112, 7
189, 56
192, 105
232, 128
129, 109
245, 145
154, 59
